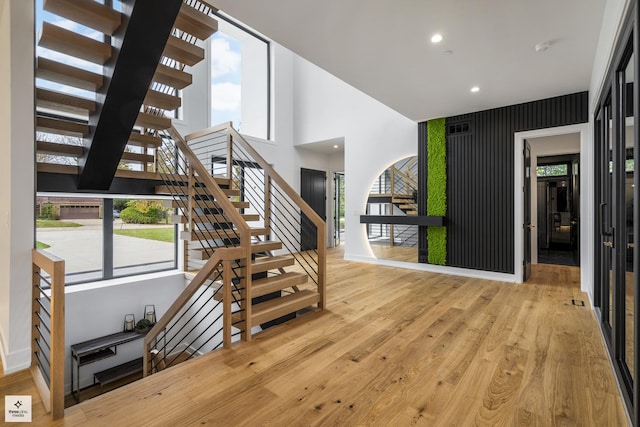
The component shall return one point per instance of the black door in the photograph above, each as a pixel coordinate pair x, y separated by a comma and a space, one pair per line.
575, 210
313, 190
527, 212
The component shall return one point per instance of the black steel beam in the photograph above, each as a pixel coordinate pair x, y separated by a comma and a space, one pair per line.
65, 183
139, 42
424, 221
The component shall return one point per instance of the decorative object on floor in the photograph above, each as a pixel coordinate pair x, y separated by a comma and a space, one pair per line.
143, 326
129, 323
150, 313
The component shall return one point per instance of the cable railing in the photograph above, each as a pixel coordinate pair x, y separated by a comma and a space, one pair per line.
218, 218
47, 364
399, 179
200, 319
290, 220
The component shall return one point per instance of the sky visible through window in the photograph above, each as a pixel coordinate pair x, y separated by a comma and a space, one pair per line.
226, 76
226, 66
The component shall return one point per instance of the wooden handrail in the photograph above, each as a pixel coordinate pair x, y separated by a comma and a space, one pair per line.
282, 183
410, 181
272, 176
243, 229
52, 393
219, 257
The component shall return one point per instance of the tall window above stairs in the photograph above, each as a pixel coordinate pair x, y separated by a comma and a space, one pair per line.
240, 79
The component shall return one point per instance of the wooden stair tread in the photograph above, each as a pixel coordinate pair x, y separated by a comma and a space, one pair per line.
125, 173
183, 51
74, 44
64, 74
208, 204
57, 149
172, 77
173, 179
267, 285
56, 168
89, 13
196, 23
61, 127
59, 101
199, 190
182, 219
151, 121
219, 233
201, 254
137, 158
260, 265
278, 307
163, 101
139, 140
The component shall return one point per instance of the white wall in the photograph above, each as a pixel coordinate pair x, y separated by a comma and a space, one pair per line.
611, 21
98, 309
16, 181
375, 136
195, 98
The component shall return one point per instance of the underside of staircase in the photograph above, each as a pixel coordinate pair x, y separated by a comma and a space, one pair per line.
102, 100
105, 100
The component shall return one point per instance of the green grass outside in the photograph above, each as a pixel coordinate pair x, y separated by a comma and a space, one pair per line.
161, 234
40, 245
47, 223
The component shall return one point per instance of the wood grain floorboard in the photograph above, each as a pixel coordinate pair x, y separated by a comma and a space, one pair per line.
394, 348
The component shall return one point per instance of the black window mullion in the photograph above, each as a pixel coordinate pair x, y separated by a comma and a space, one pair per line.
107, 238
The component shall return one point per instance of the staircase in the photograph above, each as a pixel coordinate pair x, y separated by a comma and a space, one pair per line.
243, 228
395, 192
85, 84
106, 93
397, 186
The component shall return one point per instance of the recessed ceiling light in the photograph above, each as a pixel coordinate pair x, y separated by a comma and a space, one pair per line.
335, 146
475, 89
541, 47
436, 38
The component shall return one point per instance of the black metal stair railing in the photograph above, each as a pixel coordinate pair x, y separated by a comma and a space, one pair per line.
198, 327
275, 208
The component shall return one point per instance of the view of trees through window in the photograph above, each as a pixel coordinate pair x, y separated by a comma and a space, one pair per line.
552, 170
73, 228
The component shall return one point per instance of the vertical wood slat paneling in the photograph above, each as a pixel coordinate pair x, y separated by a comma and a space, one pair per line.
481, 178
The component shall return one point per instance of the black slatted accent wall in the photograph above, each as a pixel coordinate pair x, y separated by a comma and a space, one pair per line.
480, 177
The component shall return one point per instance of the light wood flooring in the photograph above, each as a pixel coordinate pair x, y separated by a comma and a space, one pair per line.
397, 348
395, 253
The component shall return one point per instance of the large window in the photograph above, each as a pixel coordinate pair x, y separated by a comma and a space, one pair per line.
104, 238
240, 79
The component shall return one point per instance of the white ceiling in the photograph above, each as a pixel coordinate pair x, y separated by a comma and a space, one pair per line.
382, 47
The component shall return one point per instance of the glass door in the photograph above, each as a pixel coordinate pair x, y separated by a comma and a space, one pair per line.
627, 131
605, 169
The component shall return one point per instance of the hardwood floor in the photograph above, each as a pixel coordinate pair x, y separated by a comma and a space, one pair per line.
395, 347
395, 253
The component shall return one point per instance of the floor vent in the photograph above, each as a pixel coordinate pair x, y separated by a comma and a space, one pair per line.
578, 302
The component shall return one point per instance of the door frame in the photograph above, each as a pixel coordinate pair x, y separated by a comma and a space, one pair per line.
586, 199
